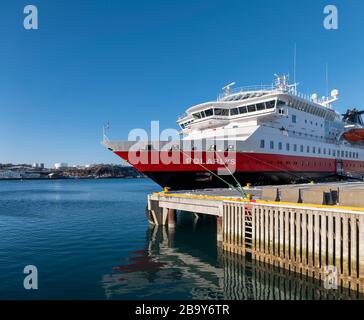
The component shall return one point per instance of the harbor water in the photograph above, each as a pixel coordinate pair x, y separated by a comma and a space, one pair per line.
90, 239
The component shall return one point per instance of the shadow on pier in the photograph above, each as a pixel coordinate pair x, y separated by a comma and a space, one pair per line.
185, 263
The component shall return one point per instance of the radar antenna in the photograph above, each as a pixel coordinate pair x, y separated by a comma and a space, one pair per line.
282, 84
227, 88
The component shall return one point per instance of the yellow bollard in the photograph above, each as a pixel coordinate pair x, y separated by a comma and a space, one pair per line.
166, 189
248, 185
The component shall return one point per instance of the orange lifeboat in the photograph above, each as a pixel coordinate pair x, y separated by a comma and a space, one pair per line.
354, 135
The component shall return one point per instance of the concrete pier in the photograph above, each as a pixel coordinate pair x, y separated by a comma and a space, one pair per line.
317, 240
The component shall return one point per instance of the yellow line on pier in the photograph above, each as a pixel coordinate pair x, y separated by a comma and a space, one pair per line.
244, 200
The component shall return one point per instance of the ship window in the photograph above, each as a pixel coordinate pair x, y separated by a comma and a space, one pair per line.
280, 146
294, 118
183, 126
334, 153
270, 104
209, 113
234, 111
313, 149
287, 146
262, 144
260, 106
280, 103
197, 115
308, 149
221, 112
272, 145
324, 150
243, 110
295, 148
301, 148
342, 154
350, 154
346, 154
329, 152
252, 108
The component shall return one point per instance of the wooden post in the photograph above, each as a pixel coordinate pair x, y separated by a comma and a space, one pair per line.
281, 236
361, 252
286, 236
224, 224
256, 214
298, 240
171, 218
276, 236
310, 243
338, 243
353, 251
271, 236
317, 238
304, 242
239, 214
262, 228
219, 231
292, 246
345, 271
323, 263
330, 236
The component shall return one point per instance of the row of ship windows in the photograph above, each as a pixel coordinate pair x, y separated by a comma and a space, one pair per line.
236, 111
313, 109
314, 150
294, 120
305, 163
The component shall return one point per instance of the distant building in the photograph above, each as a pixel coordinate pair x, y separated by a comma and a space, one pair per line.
38, 166
7, 174
60, 166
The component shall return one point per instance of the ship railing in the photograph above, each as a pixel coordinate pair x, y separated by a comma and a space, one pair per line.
246, 89
174, 145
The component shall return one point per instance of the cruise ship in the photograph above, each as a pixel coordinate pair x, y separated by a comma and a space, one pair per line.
257, 135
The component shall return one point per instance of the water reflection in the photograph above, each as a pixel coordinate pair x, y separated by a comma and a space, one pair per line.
185, 264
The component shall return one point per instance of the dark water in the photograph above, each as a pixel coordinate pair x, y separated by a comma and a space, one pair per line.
90, 239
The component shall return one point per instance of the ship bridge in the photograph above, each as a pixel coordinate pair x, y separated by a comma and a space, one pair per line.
254, 105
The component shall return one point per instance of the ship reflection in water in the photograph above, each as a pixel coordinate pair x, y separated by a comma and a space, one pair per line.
185, 264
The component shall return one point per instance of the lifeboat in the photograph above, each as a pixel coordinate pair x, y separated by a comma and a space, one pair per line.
354, 129
355, 135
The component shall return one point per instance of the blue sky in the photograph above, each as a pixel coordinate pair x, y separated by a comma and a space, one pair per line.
130, 62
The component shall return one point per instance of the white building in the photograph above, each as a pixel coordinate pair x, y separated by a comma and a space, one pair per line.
38, 165
59, 166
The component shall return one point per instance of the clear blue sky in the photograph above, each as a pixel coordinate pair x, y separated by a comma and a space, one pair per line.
130, 62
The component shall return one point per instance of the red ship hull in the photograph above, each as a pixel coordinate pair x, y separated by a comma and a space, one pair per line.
215, 170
